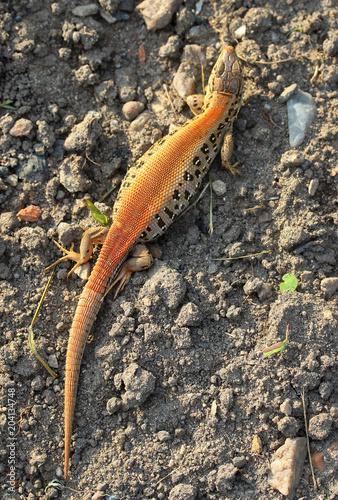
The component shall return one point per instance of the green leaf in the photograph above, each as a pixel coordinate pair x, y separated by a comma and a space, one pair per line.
99, 216
290, 283
7, 104
279, 347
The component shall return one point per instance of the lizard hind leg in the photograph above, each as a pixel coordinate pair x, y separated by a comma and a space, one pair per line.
140, 259
89, 237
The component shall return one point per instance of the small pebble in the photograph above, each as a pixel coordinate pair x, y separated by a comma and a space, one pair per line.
85, 10
29, 214
157, 14
22, 127
286, 407
12, 180
184, 83
287, 93
275, 87
132, 109
171, 48
317, 460
240, 32
219, 187
113, 405
139, 122
292, 159
52, 361
313, 186
83, 271
183, 492
256, 445
163, 436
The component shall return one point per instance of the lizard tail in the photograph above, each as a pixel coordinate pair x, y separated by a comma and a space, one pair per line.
86, 311
113, 252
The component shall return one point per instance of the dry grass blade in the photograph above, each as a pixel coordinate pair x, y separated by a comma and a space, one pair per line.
245, 256
308, 442
31, 333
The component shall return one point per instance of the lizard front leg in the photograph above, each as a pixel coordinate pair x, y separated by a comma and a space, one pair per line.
89, 238
226, 153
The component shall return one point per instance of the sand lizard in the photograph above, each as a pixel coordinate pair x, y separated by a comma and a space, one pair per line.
155, 190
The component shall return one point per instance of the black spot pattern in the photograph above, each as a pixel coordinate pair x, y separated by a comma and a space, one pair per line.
176, 195
187, 195
160, 221
169, 213
212, 138
205, 149
196, 161
198, 173
188, 176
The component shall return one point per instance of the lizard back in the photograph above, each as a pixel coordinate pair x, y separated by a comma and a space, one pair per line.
161, 184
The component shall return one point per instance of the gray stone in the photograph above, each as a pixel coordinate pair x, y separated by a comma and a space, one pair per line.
258, 19
286, 466
84, 135
313, 186
139, 385
219, 187
157, 14
287, 93
182, 338
71, 175
171, 48
301, 113
139, 122
126, 82
85, 10
183, 82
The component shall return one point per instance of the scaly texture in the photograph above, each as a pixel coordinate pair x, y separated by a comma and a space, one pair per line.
154, 192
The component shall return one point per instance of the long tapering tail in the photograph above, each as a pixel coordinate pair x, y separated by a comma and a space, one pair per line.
113, 253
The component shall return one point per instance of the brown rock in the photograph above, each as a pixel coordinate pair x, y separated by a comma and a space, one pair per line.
29, 214
287, 465
21, 127
132, 109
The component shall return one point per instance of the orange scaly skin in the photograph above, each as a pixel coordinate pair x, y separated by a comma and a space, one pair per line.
154, 192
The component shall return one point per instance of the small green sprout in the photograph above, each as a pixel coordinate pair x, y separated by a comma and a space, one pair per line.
7, 104
290, 283
279, 347
294, 29
99, 216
